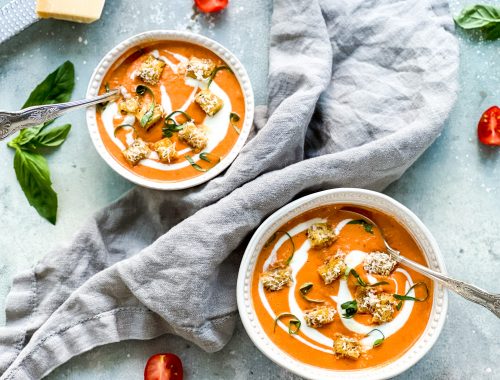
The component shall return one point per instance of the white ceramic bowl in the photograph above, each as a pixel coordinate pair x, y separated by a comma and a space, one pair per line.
158, 36
356, 197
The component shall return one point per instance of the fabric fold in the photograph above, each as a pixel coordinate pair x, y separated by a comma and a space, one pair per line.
354, 100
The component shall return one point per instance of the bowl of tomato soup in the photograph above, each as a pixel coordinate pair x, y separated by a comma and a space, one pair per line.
319, 295
184, 110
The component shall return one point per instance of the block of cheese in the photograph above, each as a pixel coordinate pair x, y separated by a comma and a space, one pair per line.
86, 11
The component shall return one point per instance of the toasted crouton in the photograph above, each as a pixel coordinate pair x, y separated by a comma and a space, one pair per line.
366, 298
380, 305
319, 316
384, 310
194, 136
321, 235
166, 150
277, 278
345, 347
209, 102
130, 105
379, 263
148, 119
333, 268
136, 151
151, 69
200, 69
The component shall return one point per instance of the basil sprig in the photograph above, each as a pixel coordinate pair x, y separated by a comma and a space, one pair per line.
171, 125
364, 284
485, 19
367, 226
194, 164
142, 90
234, 118
379, 341
293, 324
214, 73
406, 297
32, 170
304, 289
350, 307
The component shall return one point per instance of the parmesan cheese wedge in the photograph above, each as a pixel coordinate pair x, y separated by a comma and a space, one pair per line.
85, 11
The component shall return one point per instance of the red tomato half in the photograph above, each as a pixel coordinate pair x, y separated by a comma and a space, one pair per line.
209, 6
488, 129
163, 367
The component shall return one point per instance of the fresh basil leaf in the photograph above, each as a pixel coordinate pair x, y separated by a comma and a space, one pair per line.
406, 297
56, 88
304, 289
214, 73
33, 175
148, 115
350, 307
483, 18
194, 164
51, 138
367, 226
293, 324
378, 341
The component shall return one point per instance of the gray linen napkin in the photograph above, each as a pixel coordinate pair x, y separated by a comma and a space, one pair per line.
357, 91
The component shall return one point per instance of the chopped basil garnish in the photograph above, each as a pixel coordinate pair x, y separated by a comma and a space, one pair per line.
122, 126
293, 324
214, 73
106, 86
146, 118
141, 90
362, 283
171, 124
234, 118
273, 237
406, 297
194, 164
350, 307
148, 115
210, 157
305, 289
379, 341
367, 226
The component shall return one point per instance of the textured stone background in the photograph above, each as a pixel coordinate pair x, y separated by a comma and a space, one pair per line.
454, 187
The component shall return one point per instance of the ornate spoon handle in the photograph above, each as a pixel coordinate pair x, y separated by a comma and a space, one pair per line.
11, 122
468, 291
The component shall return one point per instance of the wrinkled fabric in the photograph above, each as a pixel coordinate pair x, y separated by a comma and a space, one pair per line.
357, 91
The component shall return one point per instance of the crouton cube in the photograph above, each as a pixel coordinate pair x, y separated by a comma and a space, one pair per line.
366, 298
151, 69
166, 150
148, 115
345, 347
200, 69
130, 105
380, 305
379, 263
194, 136
384, 310
276, 278
321, 235
136, 151
209, 102
333, 268
319, 316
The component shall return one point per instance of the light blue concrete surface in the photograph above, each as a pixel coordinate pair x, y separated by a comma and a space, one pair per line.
454, 187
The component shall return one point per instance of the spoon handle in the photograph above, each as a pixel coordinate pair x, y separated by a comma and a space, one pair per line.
468, 291
11, 122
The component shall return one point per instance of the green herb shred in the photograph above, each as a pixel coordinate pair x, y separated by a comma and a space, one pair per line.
293, 324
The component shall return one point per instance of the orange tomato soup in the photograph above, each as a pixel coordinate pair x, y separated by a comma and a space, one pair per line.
350, 246
171, 90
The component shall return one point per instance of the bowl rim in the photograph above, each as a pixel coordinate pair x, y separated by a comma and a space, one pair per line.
170, 35
359, 197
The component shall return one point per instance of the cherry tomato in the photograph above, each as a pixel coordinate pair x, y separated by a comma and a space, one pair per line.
488, 129
209, 6
163, 367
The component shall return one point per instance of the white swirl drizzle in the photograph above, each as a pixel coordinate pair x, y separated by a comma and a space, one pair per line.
352, 259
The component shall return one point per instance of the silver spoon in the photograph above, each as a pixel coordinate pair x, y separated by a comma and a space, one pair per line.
468, 291
11, 122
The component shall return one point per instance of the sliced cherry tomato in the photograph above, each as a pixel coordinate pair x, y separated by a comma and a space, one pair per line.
488, 129
209, 6
163, 367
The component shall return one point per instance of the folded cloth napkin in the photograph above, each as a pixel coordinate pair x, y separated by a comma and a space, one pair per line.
357, 91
